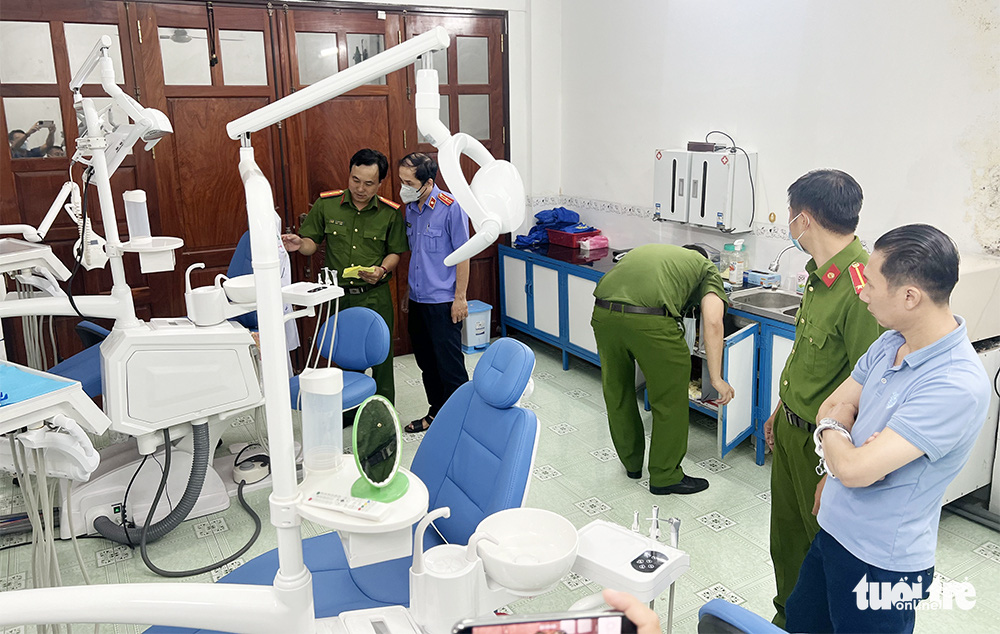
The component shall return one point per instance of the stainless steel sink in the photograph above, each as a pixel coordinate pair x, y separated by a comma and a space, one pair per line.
764, 302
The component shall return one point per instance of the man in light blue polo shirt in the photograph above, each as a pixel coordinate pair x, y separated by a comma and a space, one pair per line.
893, 436
435, 226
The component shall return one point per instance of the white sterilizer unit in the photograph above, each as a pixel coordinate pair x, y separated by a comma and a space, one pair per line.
709, 189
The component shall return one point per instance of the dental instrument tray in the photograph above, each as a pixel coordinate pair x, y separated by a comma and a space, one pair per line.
616, 557
310, 293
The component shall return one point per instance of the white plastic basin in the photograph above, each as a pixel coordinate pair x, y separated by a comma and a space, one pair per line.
535, 549
241, 289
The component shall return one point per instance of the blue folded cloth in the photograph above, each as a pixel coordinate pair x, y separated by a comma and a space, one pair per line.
558, 218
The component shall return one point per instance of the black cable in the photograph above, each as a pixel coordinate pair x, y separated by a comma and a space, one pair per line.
996, 388
79, 252
162, 471
125, 499
156, 500
753, 192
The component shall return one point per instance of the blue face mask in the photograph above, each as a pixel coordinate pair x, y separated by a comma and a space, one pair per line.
795, 241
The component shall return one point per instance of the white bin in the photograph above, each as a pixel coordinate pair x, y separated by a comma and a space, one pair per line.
476, 327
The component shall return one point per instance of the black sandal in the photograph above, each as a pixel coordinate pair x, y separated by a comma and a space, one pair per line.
417, 426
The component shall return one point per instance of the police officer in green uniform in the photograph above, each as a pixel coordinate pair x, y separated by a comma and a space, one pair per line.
360, 229
637, 318
833, 329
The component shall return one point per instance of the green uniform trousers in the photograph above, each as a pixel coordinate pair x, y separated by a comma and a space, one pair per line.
657, 344
379, 299
793, 493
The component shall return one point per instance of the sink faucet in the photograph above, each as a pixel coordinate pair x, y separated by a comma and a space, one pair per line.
773, 266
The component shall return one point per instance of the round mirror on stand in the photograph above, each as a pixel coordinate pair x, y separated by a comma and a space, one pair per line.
376, 445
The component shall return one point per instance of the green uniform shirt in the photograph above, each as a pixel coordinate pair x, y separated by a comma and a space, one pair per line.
355, 238
833, 328
661, 275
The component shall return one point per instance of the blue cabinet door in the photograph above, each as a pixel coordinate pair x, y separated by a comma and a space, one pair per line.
739, 369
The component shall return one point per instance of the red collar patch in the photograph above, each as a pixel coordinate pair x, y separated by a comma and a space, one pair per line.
431, 202
831, 275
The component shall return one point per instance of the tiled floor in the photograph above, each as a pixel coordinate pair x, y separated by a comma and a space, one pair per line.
577, 474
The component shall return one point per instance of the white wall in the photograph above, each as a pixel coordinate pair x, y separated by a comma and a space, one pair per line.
903, 95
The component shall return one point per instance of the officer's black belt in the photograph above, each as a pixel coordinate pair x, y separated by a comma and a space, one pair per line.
798, 421
628, 308
358, 290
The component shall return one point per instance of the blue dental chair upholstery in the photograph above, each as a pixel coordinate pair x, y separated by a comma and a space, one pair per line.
85, 366
361, 341
475, 459
242, 264
719, 616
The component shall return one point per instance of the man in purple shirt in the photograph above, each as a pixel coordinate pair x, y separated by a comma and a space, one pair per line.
435, 226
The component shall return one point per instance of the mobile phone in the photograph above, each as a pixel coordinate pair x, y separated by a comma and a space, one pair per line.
47, 122
558, 623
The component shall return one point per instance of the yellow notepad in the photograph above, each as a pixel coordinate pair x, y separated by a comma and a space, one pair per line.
352, 271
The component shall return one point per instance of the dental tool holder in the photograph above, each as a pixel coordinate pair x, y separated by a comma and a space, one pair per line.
232, 297
615, 557
450, 582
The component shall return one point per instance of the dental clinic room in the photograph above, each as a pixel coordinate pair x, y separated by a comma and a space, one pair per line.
499, 316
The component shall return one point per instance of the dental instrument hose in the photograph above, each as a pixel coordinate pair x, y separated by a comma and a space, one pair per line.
199, 466
156, 500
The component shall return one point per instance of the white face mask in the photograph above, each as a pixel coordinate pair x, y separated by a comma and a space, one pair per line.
409, 194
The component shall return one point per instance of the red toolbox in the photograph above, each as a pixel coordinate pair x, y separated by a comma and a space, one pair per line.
571, 240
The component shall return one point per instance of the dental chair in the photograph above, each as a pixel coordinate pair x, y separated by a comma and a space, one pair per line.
719, 616
475, 459
85, 366
361, 341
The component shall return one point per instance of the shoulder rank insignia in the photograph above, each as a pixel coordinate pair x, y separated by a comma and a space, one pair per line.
857, 271
431, 202
331, 193
391, 203
446, 199
831, 275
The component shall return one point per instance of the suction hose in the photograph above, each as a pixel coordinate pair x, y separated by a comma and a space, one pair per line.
199, 466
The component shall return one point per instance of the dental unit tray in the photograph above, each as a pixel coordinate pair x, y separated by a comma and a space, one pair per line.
310, 293
55, 395
16, 255
614, 557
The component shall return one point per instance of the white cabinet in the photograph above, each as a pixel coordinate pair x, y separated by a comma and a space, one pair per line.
580, 308
739, 362
544, 290
515, 288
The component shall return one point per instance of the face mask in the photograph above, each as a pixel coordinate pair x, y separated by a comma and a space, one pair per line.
795, 241
409, 194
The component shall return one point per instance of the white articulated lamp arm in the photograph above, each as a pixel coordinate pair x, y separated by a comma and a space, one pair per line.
494, 201
385, 62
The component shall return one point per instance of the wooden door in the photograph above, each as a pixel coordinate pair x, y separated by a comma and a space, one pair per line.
204, 69
58, 36
322, 140
472, 74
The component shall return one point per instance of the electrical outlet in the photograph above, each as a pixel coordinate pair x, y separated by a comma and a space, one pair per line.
110, 556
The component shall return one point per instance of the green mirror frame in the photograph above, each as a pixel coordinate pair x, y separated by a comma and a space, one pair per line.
396, 483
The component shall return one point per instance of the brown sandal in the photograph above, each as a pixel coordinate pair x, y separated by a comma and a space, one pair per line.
417, 426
